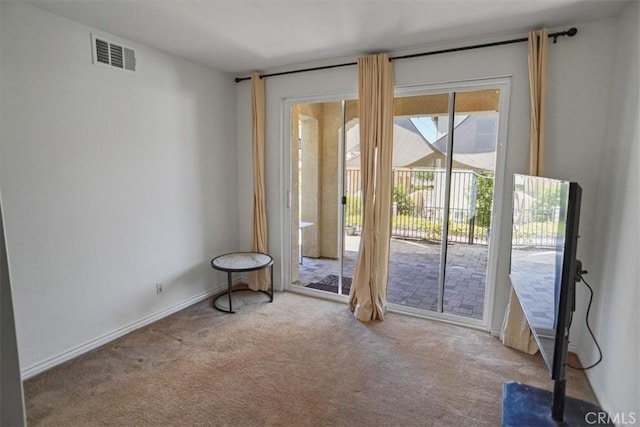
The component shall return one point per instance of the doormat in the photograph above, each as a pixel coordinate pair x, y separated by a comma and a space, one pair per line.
330, 284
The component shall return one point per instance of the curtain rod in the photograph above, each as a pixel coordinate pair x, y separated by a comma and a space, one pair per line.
570, 32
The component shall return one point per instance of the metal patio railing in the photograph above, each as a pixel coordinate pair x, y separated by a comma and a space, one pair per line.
418, 208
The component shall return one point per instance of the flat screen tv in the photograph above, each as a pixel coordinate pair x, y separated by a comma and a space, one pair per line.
543, 272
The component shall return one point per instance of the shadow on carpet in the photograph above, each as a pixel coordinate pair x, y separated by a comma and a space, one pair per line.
330, 284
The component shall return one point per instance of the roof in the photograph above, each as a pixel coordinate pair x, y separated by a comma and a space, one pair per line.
475, 143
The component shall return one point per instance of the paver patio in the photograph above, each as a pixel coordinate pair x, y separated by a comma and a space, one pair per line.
413, 275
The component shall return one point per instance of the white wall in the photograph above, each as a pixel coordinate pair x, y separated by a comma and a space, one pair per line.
577, 105
112, 181
11, 396
580, 70
615, 250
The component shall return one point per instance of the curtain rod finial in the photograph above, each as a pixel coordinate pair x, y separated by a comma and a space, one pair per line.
570, 32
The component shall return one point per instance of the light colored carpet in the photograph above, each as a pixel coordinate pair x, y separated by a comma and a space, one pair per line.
298, 361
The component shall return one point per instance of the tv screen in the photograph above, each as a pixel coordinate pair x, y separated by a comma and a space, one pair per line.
543, 255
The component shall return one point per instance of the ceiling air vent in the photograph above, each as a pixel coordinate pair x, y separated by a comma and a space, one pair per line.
113, 54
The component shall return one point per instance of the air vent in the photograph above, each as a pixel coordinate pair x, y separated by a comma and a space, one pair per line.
129, 59
116, 56
102, 51
113, 54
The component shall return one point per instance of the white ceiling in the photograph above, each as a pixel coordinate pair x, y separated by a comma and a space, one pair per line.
242, 35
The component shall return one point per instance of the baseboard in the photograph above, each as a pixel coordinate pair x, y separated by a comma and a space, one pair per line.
104, 339
575, 349
603, 401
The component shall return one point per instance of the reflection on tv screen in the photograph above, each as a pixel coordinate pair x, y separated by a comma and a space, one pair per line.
537, 244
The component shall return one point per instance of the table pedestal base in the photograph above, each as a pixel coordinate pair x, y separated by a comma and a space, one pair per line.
219, 305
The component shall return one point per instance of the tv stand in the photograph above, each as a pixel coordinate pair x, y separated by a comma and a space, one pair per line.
525, 405
559, 399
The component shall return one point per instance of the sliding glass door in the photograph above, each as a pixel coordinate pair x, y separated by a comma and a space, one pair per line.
445, 147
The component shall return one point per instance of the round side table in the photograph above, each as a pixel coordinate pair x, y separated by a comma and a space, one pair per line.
240, 262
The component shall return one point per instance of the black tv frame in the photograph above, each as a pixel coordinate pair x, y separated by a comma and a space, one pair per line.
571, 269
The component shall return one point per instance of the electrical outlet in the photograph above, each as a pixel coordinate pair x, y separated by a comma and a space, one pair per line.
159, 288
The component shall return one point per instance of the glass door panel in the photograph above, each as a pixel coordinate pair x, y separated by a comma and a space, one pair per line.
419, 183
351, 192
474, 148
318, 183
444, 156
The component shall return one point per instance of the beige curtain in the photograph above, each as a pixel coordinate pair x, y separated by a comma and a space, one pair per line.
515, 330
258, 280
368, 295
538, 45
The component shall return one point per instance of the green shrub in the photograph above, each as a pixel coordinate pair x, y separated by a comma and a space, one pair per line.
402, 201
484, 198
353, 210
424, 176
545, 204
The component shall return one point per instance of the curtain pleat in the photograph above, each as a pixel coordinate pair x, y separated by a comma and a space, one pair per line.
515, 329
368, 295
258, 280
538, 46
